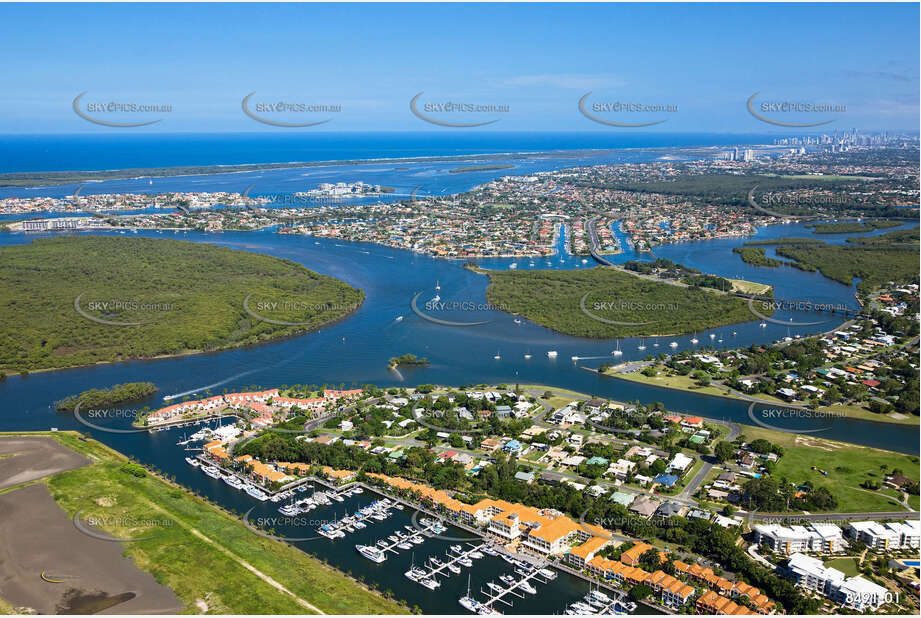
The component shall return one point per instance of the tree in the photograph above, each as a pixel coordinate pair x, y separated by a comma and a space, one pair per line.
640, 592
724, 451
650, 560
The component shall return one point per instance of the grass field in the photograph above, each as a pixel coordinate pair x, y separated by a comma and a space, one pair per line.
202, 553
848, 566
6, 608
749, 287
847, 466
853, 411
685, 383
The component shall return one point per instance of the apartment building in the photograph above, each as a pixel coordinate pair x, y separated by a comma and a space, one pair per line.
800, 539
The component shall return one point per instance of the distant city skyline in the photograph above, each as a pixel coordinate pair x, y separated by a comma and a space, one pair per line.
658, 68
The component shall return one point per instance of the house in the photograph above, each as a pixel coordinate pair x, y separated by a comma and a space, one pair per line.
622, 498
503, 412
666, 480
644, 506
680, 462
527, 477
670, 509
512, 446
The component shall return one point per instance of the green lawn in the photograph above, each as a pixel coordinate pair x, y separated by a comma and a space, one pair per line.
847, 466
848, 566
664, 379
194, 568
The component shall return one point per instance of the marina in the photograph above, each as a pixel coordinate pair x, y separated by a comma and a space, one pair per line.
456, 557
399, 539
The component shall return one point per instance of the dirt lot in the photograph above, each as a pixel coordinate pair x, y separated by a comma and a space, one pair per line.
29, 459
38, 542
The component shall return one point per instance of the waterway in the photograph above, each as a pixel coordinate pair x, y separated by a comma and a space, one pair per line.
357, 350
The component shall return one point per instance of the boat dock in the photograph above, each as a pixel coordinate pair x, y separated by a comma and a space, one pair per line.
378, 510
380, 549
497, 594
455, 559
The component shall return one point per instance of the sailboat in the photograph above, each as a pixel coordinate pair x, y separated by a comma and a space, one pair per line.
694, 339
468, 602
617, 351
642, 346
437, 285
497, 356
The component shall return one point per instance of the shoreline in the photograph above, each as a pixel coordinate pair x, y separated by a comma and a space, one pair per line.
869, 416
191, 352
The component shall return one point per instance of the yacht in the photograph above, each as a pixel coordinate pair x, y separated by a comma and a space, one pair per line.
415, 574
476, 555
360, 525
617, 351
233, 481
417, 540
454, 568
508, 580
382, 543
358, 490
763, 325
404, 546
211, 471
495, 587
255, 492
436, 561
673, 344
489, 550
497, 357
192, 462
371, 553
517, 320
429, 583
642, 346
598, 598
527, 356
551, 354
527, 587
393, 538
695, 340
338, 498
548, 574
712, 336
467, 601
457, 548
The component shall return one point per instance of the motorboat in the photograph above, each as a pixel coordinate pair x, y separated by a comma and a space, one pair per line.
527, 587
456, 548
465, 562
192, 462
547, 574
495, 587
454, 568
371, 553
489, 550
417, 540
255, 492
404, 545
429, 583
552, 354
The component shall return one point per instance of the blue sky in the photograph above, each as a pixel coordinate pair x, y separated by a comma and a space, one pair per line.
538, 60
